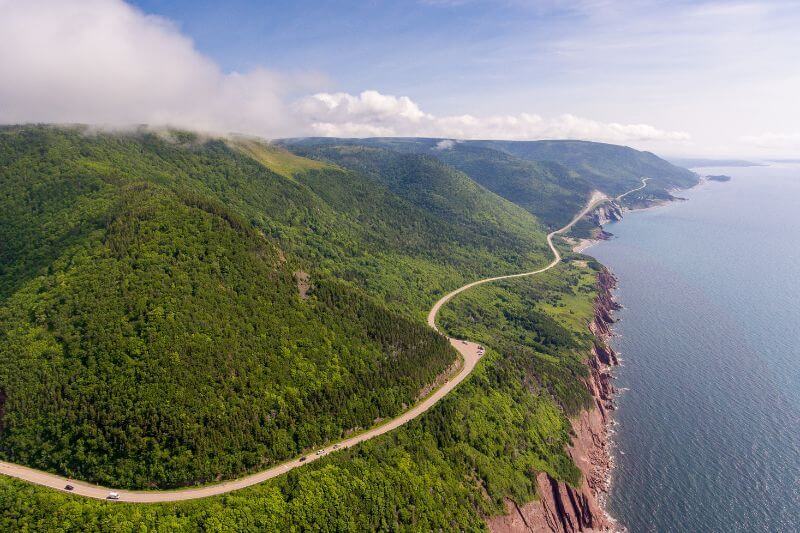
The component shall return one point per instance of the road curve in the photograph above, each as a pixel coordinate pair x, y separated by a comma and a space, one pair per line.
468, 350
596, 199
623, 195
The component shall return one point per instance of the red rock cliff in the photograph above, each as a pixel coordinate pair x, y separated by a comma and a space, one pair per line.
561, 508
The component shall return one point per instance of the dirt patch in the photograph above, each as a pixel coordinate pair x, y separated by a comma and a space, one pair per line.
441, 379
303, 283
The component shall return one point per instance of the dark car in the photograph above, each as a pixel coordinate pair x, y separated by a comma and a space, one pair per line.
69, 487
303, 459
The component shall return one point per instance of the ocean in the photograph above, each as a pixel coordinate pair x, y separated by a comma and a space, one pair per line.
707, 434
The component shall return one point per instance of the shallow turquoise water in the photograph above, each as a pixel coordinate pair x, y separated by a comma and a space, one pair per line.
708, 434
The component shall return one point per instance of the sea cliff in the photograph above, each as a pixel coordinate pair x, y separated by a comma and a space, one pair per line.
561, 507
605, 213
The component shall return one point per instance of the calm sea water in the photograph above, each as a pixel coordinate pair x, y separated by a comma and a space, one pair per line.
708, 434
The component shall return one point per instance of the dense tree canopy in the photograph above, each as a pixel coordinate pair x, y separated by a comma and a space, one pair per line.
550, 179
171, 348
153, 332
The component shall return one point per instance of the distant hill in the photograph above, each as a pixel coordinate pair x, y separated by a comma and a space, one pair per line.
550, 179
718, 177
546, 190
610, 168
689, 162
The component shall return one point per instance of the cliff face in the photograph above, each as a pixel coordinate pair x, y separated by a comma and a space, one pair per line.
561, 508
608, 212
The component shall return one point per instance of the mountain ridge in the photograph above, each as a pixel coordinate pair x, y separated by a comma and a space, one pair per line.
550, 179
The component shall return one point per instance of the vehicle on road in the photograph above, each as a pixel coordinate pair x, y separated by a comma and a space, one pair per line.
335, 446
112, 496
319, 452
69, 487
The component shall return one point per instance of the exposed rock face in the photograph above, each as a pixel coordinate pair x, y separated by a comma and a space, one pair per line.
561, 508
608, 212
303, 281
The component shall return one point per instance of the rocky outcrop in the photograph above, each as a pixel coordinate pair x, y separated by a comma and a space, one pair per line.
560, 507
608, 212
303, 280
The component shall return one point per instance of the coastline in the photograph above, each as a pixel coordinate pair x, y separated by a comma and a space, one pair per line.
598, 423
667, 262
604, 217
560, 507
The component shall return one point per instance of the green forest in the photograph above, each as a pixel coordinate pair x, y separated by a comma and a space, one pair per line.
445, 470
550, 179
169, 344
157, 329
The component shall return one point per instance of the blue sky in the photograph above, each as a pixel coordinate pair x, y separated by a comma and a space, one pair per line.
704, 77
447, 54
419, 49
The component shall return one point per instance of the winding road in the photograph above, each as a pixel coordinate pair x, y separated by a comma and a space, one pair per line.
623, 195
470, 352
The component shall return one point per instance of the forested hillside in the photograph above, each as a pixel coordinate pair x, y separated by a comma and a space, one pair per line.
610, 168
178, 309
150, 280
444, 471
550, 179
423, 226
547, 190
150, 336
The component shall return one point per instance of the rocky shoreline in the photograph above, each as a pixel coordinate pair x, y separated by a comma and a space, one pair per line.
561, 508
613, 212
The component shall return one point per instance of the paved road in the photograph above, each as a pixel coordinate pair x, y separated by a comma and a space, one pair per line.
623, 195
468, 350
596, 199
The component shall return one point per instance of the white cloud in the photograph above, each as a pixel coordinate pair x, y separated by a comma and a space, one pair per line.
368, 107
445, 144
104, 62
776, 142
373, 113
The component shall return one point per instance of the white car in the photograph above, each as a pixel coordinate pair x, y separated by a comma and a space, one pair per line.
113, 496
